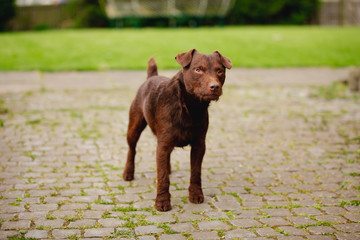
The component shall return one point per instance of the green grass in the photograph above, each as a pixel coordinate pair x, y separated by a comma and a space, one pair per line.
352, 202
101, 49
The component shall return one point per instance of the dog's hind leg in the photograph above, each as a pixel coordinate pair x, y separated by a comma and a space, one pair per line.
137, 124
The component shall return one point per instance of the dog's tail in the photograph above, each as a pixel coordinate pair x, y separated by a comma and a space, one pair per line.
152, 68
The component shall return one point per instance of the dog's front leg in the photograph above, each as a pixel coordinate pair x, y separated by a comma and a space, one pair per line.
197, 153
163, 152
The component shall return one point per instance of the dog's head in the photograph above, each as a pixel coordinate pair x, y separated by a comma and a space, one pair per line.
204, 74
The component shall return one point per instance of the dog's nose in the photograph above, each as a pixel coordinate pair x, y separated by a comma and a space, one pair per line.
214, 87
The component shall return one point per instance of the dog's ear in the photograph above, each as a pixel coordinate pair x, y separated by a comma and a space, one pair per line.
224, 60
184, 59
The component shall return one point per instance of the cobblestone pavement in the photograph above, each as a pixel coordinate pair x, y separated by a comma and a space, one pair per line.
282, 162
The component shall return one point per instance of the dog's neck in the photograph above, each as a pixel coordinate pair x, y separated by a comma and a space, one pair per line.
190, 101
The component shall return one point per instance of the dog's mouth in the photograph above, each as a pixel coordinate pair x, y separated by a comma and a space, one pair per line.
211, 97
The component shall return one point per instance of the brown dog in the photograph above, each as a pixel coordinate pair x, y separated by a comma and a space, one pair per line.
176, 110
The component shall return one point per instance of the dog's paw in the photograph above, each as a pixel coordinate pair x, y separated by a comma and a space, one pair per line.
163, 206
196, 197
196, 194
128, 176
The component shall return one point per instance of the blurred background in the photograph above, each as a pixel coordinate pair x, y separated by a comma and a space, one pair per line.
16, 15
61, 35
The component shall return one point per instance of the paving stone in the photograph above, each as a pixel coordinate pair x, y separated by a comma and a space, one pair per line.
101, 207
284, 189
353, 209
82, 223
227, 205
182, 227
331, 219
305, 203
98, 232
73, 206
245, 223
111, 222
160, 218
93, 214
211, 191
63, 214
274, 197
172, 237
33, 215
212, 225
144, 213
323, 194
196, 207
330, 202
43, 207
290, 238
57, 223
79, 151
278, 203
136, 189
346, 236
250, 204
127, 198
86, 199
184, 217
146, 238
147, 230
94, 191
7, 216
321, 229
216, 214
334, 210
205, 236
352, 217
13, 194
52, 200
239, 233
94, 238
6, 234
65, 233
31, 200
308, 211
149, 196
274, 221
278, 212
248, 213
250, 198
70, 192
294, 231
234, 190
36, 234
267, 232
319, 237
299, 220
144, 204
348, 227
21, 224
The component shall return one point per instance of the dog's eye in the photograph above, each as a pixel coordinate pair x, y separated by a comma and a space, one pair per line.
198, 70
219, 71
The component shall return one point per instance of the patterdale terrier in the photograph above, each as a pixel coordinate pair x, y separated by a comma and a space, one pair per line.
176, 110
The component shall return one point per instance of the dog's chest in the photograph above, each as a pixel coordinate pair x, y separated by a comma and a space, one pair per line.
188, 127
183, 136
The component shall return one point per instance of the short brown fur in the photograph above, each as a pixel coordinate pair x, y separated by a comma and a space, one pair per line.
176, 110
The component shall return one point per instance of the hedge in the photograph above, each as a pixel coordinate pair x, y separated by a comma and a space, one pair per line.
273, 12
